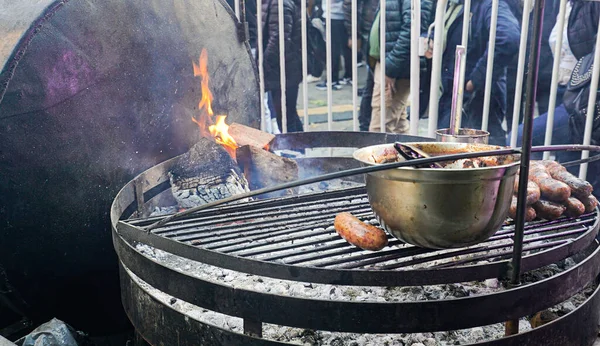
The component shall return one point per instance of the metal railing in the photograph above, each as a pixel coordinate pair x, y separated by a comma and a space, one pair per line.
415, 69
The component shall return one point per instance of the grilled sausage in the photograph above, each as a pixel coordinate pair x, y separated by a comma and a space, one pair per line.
529, 211
548, 210
533, 191
579, 187
551, 189
590, 203
574, 207
358, 233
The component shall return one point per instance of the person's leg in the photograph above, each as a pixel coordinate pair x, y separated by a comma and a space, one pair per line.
267, 117
364, 117
337, 35
542, 96
375, 125
444, 113
510, 101
293, 120
276, 101
397, 121
346, 51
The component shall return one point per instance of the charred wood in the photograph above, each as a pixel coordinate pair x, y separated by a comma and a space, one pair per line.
263, 168
204, 174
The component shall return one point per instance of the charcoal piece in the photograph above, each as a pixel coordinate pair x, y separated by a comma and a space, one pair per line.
204, 174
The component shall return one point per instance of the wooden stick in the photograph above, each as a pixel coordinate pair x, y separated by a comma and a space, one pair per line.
245, 135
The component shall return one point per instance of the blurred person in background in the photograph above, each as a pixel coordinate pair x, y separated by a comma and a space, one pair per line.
507, 45
293, 58
545, 65
560, 129
397, 64
366, 11
339, 46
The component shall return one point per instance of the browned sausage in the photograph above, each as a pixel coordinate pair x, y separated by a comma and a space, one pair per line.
590, 203
551, 189
358, 233
579, 187
548, 210
574, 207
512, 211
529, 212
533, 191
551, 165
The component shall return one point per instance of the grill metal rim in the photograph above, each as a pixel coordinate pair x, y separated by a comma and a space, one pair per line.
361, 276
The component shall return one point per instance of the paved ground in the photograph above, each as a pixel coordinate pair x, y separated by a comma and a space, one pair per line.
341, 106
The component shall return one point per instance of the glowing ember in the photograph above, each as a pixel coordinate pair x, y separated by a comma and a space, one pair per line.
209, 127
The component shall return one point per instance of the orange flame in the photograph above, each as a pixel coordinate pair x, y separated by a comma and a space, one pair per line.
206, 121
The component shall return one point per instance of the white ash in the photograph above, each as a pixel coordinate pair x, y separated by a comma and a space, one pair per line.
193, 199
348, 293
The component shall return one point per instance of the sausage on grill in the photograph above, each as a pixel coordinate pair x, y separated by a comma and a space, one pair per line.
579, 187
551, 189
574, 207
358, 233
529, 211
533, 191
548, 210
590, 202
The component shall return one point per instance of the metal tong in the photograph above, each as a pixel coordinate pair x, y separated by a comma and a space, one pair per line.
409, 152
457, 90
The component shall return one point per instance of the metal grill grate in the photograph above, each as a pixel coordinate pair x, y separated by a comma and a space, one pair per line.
298, 231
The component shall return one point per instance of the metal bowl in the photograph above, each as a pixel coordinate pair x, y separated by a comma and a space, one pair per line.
440, 208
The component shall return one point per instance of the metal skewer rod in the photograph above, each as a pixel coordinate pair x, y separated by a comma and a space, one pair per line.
512, 327
457, 91
466, 28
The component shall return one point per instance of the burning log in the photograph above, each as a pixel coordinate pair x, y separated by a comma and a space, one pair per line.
245, 135
204, 174
263, 168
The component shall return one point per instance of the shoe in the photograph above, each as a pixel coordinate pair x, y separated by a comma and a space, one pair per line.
323, 86
312, 79
360, 64
346, 81
360, 92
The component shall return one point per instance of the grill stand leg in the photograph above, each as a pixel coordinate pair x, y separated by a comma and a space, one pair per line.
252, 328
512, 327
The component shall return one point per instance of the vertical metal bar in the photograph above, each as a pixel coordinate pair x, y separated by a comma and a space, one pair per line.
304, 65
490, 66
139, 196
329, 64
261, 71
354, 21
415, 65
282, 79
236, 4
436, 68
382, 64
463, 64
555, 68
457, 91
532, 77
591, 108
520, 73
253, 328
